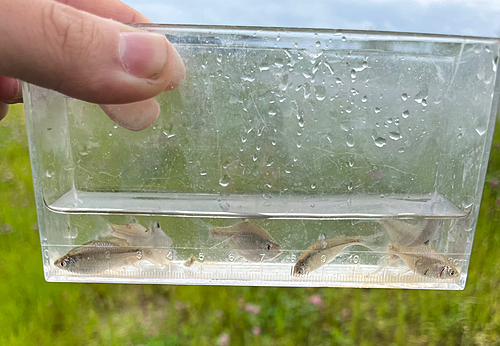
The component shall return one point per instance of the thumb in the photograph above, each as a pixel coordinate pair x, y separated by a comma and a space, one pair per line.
83, 55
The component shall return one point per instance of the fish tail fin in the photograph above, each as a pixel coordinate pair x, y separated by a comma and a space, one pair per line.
220, 232
374, 242
221, 243
386, 262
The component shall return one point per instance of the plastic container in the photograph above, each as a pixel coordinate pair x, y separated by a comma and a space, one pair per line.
312, 136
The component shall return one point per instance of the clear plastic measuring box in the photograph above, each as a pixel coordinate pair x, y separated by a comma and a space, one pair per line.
288, 157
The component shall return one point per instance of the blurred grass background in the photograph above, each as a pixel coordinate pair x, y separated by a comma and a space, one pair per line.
34, 312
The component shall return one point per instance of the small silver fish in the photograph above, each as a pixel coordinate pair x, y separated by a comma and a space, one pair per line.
97, 256
249, 240
425, 261
137, 235
405, 233
154, 241
322, 252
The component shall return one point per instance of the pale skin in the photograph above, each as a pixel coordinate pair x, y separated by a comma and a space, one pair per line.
81, 49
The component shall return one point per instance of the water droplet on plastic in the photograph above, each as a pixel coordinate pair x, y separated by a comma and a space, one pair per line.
364, 98
343, 38
318, 44
349, 186
467, 206
420, 96
344, 125
224, 206
365, 64
338, 81
481, 130
394, 135
301, 122
110, 134
353, 74
424, 102
203, 173
313, 186
350, 140
278, 63
320, 92
380, 142
406, 114
278, 38
254, 158
243, 139
224, 181
115, 126
487, 48
48, 174
377, 109
349, 200
404, 96
248, 79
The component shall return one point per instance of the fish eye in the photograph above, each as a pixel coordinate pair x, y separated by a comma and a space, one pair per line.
63, 264
452, 272
269, 247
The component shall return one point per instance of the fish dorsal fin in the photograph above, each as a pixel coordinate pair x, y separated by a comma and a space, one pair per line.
159, 235
131, 229
103, 244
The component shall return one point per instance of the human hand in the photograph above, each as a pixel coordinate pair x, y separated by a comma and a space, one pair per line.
72, 47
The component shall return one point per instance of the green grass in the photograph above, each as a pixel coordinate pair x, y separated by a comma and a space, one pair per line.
33, 312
